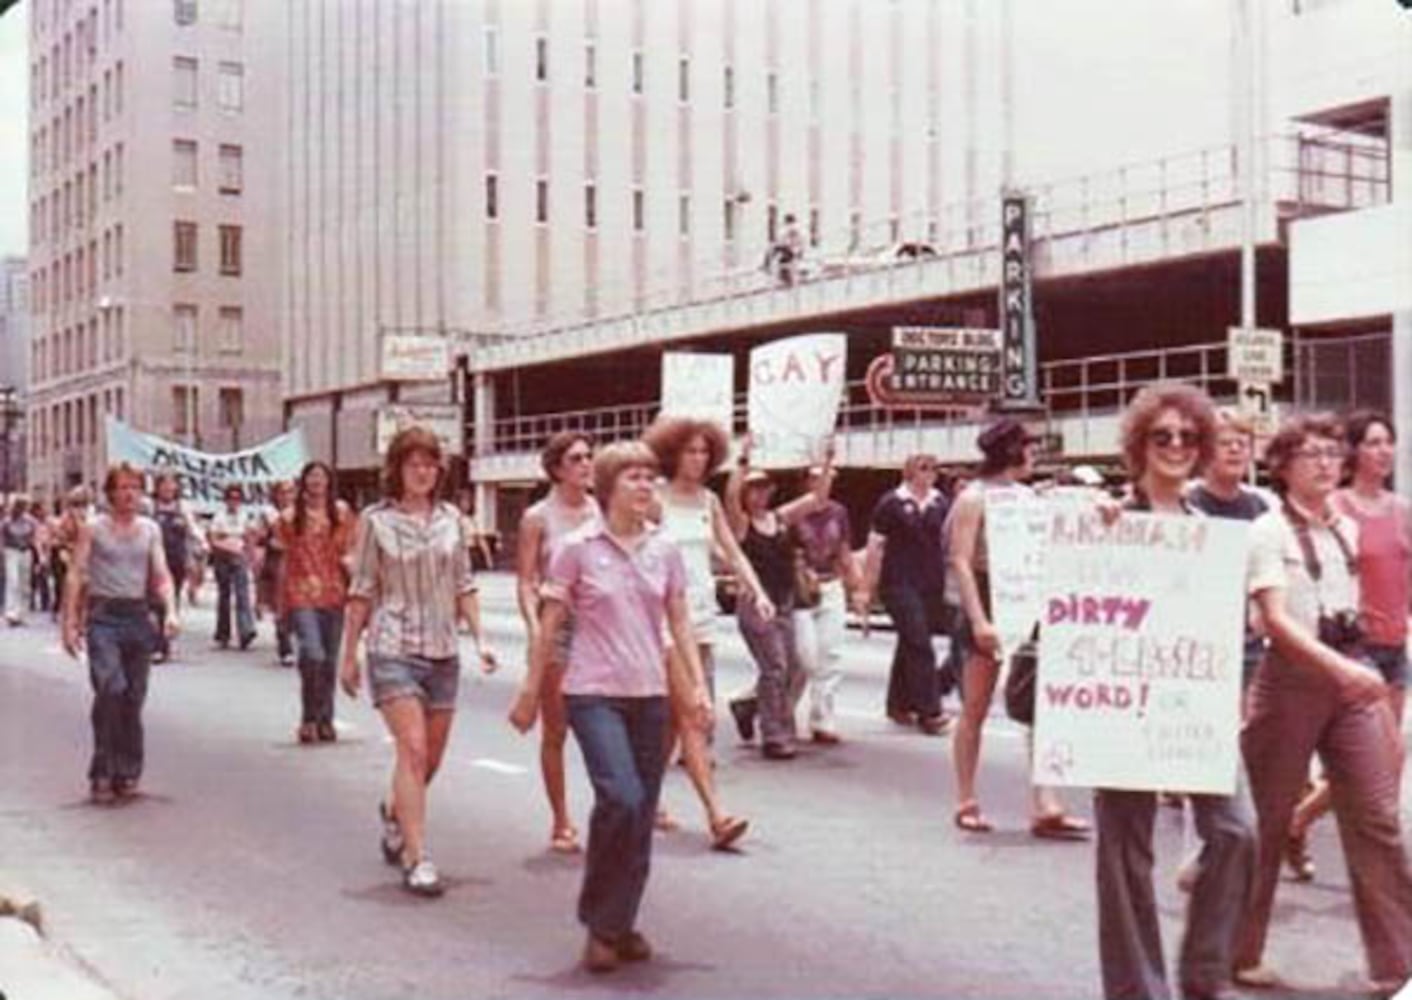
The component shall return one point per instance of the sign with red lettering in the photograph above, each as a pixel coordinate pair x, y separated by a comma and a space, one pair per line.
1141, 634
796, 386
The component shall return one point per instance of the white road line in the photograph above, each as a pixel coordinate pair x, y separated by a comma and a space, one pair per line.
498, 766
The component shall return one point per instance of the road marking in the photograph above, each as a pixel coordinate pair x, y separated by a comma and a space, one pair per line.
498, 766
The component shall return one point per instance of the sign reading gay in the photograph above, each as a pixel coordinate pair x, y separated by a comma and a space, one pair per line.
1140, 652
796, 385
699, 387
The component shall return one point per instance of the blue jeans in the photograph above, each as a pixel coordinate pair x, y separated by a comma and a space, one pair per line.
232, 576
317, 631
624, 747
120, 643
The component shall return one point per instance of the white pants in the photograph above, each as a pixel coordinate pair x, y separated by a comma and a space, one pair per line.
818, 638
16, 584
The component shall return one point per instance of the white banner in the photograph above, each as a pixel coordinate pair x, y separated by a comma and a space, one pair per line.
204, 475
796, 386
699, 386
415, 357
442, 419
1140, 652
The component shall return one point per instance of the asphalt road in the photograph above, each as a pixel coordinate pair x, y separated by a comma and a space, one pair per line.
249, 868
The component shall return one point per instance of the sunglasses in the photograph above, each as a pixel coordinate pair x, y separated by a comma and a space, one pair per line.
1164, 437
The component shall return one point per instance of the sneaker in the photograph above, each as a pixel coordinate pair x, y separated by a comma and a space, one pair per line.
778, 751
392, 840
422, 879
247, 640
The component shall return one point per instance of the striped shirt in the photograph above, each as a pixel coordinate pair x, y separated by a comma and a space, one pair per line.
412, 568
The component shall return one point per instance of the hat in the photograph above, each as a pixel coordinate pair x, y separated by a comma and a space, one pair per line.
1003, 434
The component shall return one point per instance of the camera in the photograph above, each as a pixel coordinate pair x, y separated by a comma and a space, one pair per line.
1341, 631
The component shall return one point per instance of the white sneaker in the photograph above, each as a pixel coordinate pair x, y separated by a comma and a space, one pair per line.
422, 879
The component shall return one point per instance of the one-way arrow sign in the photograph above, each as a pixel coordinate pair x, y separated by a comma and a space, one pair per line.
1256, 402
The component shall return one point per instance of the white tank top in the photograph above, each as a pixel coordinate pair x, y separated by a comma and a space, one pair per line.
687, 523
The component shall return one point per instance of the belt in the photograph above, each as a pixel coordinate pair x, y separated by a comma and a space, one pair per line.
118, 604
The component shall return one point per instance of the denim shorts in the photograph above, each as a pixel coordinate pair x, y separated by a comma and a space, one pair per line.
435, 682
1390, 661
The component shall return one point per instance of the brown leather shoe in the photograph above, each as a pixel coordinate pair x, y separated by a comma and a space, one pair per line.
599, 955
633, 947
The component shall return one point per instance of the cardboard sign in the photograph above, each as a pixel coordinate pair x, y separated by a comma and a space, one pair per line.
699, 386
1140, 652
1016, 525
796, 386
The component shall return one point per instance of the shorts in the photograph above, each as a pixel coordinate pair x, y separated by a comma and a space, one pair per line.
963, 639
435, 682
1390, 661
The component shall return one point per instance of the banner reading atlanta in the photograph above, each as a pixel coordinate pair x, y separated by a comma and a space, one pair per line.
203, 475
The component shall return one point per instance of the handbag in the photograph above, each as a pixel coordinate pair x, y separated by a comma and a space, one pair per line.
1020, 684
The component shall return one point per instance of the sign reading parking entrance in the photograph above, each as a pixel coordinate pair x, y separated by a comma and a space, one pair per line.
1255, 355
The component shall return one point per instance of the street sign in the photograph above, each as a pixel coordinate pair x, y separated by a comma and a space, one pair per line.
442, 419
935, 367
1255, 355
1257, 402
415, 357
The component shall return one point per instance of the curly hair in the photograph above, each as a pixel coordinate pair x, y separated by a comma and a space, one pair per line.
1282, 450
1147, 406
557, 448
669, 436
404, 443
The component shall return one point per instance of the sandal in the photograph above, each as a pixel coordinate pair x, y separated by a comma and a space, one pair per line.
565, 841
726, 831
969, 818
1059, 826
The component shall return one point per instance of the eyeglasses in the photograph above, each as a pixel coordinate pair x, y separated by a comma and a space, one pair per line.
1333, 453
579, 456
1165, 437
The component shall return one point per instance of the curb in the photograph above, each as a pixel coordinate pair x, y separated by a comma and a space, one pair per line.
32, 968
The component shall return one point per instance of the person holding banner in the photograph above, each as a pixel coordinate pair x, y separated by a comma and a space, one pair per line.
229, 538
118, 565
1168, 431
568, 462
1315, 691
691, 516
1009, 450
411, 581
904, 556
624, 583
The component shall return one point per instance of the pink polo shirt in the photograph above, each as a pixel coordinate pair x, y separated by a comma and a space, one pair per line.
618, 599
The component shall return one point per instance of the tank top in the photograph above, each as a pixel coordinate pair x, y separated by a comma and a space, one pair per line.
772, 557
687, 524
559, 520
1383, 555
118, 565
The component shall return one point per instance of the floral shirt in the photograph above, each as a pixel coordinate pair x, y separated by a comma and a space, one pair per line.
314, 576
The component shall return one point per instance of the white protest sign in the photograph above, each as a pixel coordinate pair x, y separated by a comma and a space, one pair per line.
699, 386
1016, 522
796, 385
1140, 652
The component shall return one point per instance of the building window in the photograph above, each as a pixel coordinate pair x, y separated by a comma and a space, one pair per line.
855, 230
684, 215
684, 79
590, 65
230, 250
230, 94
184, 246
118, 255
118, 87
729, 87
186, 405
183, 163
637, 70
232, 170
772, 92
894, 229
118, 171
541, 59
183, 82
231, 404
492, 196
492, 52
813, 227
590, 206
541, 201
184, 11
184, 329
772, 223
728, 218
639, 210
230, 15
231, 335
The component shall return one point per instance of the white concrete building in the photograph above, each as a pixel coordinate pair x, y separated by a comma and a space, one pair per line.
151, 213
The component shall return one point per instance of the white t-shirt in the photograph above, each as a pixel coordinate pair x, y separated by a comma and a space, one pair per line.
1277, 560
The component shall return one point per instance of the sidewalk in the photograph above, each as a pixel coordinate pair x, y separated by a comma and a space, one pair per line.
33, 969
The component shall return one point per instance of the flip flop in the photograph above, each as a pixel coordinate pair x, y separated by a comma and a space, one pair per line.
1059, 826
565, 841
726, 831
969, 818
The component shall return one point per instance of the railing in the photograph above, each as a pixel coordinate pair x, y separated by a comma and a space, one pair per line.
1301, 172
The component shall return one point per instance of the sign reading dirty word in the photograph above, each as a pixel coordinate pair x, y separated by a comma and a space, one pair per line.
1140, 652
796, 385
699, 386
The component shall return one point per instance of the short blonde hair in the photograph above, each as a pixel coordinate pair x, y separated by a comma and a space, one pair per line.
1229, 418
613, 460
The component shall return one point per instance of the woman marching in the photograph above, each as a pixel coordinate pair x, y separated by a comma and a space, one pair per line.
691, 516
620, 580
568, 461
179, 532
411, 582
315, 536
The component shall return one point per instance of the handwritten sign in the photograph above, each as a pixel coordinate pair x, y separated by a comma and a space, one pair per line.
699, 386
796, 385
1140, 652
1016, 526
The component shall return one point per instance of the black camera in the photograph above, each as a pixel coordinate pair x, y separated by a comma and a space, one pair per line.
1341, 631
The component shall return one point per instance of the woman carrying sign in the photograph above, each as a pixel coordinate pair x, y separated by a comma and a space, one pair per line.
1315, 691
1168, 432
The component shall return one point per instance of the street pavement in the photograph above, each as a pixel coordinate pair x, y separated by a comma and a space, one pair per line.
249, 868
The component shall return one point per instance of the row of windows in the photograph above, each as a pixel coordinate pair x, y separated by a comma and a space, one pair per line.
72, 423
74, 277
230, 329
230, 84
230, 171
186, 409
184, 248
68, 60
79, 348
228, 13
74, 204
75, 128
590, 71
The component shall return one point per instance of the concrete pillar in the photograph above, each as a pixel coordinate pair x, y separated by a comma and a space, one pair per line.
483, 406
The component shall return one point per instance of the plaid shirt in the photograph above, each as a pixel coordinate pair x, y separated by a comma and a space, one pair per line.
412, 568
